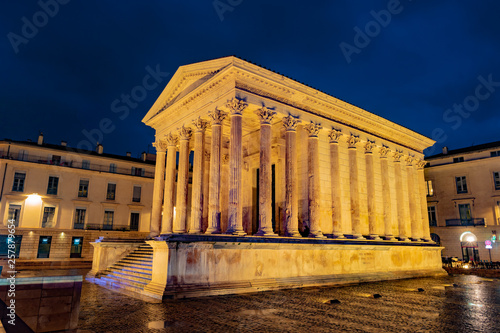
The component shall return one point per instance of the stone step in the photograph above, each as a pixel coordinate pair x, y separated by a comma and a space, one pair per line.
131, 267
133, 273
139, 262
122, 280
140, 255
119, 283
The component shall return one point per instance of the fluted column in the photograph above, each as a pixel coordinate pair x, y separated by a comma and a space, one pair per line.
216, 117
265, 176
418, 233
403, 231
354, 187
159, 184
334, 136
292, 192
235, 225
411, 199
168, 199
185, 134
386, 194
197, 186
423, 200
314, 181
370, 188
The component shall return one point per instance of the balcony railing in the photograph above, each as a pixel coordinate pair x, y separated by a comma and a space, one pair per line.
466, 222
110, 227
78, 225
85, 166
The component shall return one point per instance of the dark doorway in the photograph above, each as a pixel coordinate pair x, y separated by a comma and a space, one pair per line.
470, 251
44, 246
273, 199
76, 247
134, 221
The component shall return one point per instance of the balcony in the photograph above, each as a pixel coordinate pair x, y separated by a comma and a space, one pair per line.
84, 166
464, 223
107, 227
78, 225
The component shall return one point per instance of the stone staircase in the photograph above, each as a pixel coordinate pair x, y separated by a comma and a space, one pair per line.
132, 273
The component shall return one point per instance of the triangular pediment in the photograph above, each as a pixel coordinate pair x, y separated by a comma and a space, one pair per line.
185, 80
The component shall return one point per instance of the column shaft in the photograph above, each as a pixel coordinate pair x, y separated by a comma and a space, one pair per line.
354, 188
235, 208
292, 190
314, 185
423, 203
386, 195
159, 185
411, 201
403, 232
168, 200
182, 181
370, 188
198, 178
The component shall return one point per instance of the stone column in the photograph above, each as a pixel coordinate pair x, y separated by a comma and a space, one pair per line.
292, 191
314, 181
198, 169
386, 194
265, 179
370, 188
235, 209
411, 199
168, 199
159, 184
334, 136
216, 117
354, 187
185, 134
423, 201
419, 232
403, 232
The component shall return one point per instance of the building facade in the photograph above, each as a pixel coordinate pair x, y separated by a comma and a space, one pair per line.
463, 199
275, 157
60, 199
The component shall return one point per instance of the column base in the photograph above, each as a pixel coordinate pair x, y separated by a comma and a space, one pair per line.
293, 233
374, 237
413, 239
236, 232
357, 236
428, 240
212, 231
317, 235
338, 236
404, 239
390, 238
179, 231
194, 232
266, 233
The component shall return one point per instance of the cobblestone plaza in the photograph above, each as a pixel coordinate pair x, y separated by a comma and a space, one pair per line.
447, 304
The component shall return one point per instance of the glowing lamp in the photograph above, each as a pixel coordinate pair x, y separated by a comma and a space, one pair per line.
470, 238
34, 199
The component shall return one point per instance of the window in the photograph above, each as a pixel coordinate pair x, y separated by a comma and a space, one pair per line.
18, 185
496, 179
83, 189
461, 184
112, 168
22, 155
458, 159
136, 196
48, 217
76, 247
138, 171
465, 214
430, 189
431, 211
14, 214
44, 246
110, 193
495, 153
86, 164
108, 220
134, 221
52, 187
79, 221
5, 241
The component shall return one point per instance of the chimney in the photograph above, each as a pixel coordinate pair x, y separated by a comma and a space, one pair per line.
129, 154
99, 148
64, 143
40, 138
143, 156
445, 150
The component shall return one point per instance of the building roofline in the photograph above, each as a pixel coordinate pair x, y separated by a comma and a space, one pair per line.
484, 146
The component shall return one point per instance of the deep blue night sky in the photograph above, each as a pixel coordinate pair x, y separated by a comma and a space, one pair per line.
432, 55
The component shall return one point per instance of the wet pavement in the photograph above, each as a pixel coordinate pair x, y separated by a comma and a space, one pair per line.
460, 303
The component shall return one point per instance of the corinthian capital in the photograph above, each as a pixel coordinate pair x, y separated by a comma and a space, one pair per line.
185, 133
352, 141
265, 115
313, 129
217, 116
200, 124
160, 146
334, 135
421, 164
236, 106
397, 155
171, 139
409, 160
290, 123
384, 151
369, 146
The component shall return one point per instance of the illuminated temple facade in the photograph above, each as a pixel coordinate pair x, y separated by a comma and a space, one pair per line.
276, 157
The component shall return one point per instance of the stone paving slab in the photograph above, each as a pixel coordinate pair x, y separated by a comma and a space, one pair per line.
446, 304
